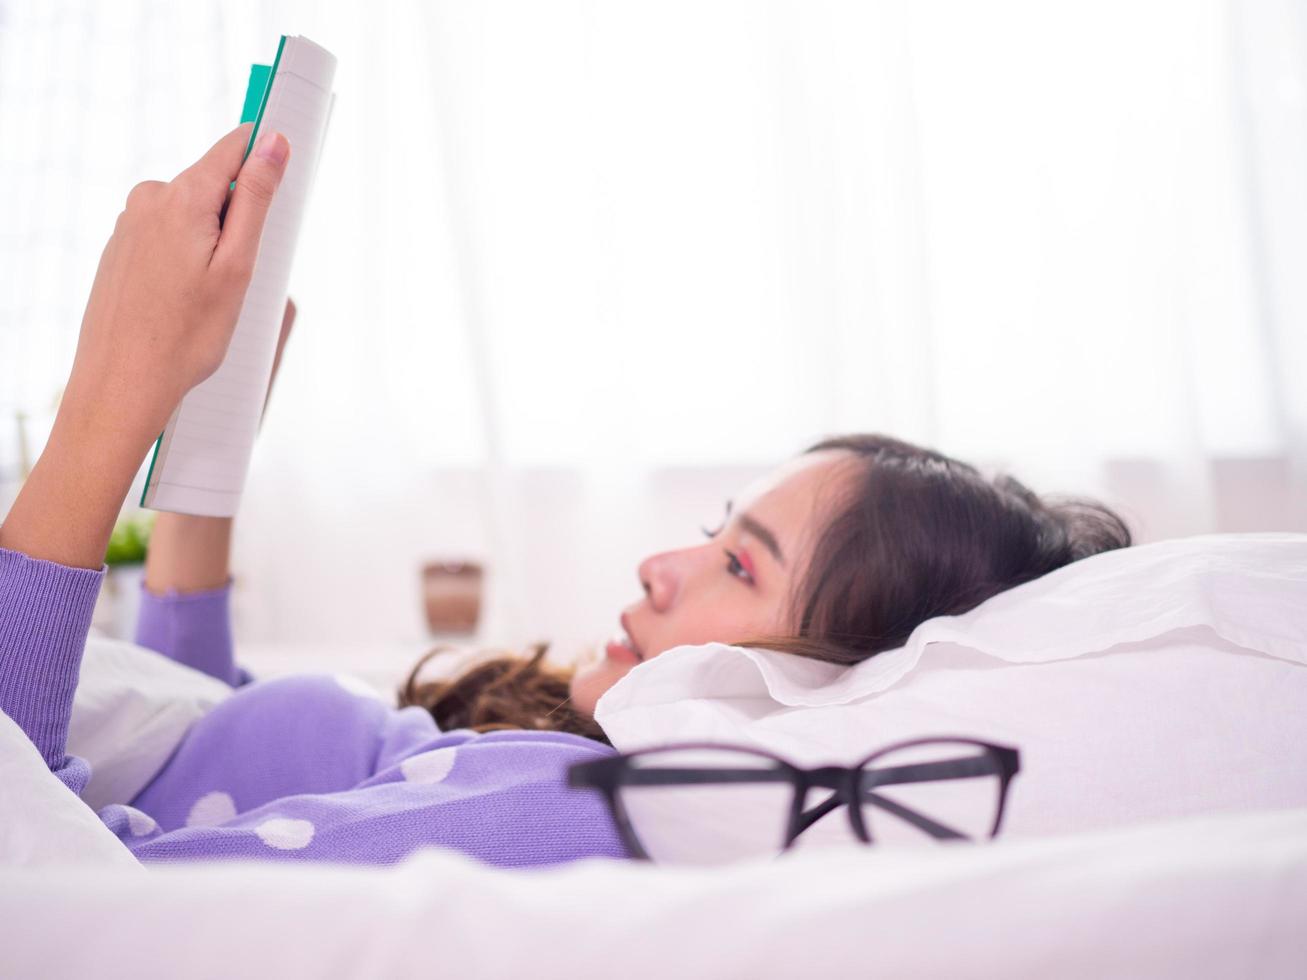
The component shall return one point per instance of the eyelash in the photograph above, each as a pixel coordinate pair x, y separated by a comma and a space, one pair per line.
733, 566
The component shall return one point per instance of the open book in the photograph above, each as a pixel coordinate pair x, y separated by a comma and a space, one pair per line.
201, 459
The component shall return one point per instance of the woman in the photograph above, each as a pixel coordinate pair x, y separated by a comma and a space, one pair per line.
837, 555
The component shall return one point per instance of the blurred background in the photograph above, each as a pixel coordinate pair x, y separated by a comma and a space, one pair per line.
575, 272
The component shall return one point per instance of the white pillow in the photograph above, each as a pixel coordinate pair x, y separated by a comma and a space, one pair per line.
41, 822
1156, 681
131, 709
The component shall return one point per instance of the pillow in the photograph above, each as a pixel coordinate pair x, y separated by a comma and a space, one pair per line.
131, 708
1156, 681
42, 822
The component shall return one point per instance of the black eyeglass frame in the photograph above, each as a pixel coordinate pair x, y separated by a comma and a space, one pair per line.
610, 774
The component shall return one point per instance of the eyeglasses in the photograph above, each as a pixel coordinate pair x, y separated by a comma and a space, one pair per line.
707, 803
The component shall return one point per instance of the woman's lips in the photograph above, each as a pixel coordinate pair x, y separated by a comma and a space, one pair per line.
622, 648
619, 651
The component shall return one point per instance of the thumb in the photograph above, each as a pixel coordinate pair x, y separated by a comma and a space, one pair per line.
256, 185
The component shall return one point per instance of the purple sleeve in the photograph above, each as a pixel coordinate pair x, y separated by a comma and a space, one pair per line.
192, 628
45, 615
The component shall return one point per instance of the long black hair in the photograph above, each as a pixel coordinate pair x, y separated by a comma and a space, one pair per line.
921, 535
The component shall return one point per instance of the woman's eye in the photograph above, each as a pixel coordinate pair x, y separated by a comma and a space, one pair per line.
734, 567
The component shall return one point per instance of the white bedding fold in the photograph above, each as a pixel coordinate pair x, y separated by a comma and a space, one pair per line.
1206, 897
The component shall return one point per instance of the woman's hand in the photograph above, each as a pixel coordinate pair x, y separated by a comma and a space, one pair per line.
161, 314
171, 283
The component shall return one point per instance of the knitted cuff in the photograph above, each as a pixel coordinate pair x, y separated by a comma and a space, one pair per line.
192, 628
45, 614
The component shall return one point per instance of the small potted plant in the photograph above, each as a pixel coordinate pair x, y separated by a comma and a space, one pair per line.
119, 602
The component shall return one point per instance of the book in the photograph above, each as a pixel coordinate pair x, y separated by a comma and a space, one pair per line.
202, 457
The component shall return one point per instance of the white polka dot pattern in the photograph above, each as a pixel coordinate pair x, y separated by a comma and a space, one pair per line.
285, 834
139, 823
429, 767
211, 809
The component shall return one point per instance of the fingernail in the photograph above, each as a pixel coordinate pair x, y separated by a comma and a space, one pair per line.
272, 147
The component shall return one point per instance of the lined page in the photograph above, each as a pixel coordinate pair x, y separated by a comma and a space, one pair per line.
204, 455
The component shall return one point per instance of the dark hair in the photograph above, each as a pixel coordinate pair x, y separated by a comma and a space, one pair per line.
920, 535
504, 692
915, 535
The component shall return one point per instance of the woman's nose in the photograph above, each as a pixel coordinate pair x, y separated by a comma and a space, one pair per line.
658, 577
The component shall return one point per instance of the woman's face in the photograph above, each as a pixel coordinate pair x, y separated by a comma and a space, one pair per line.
734, 585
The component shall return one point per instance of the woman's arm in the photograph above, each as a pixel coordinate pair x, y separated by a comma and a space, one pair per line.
184, 610
54, 540
161, 314
51, 548
70, 501
188, 553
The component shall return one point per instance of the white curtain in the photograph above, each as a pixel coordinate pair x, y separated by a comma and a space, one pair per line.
574, 270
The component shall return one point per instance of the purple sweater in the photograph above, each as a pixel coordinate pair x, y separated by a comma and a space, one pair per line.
295, 768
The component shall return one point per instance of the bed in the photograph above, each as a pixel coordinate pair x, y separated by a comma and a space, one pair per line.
1160, 697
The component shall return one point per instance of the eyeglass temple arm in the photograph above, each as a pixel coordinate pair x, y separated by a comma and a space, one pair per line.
918, 820
918, 773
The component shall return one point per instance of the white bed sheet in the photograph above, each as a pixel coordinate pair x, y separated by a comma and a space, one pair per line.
1204, 897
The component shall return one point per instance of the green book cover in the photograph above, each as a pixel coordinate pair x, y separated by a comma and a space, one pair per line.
255, 92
